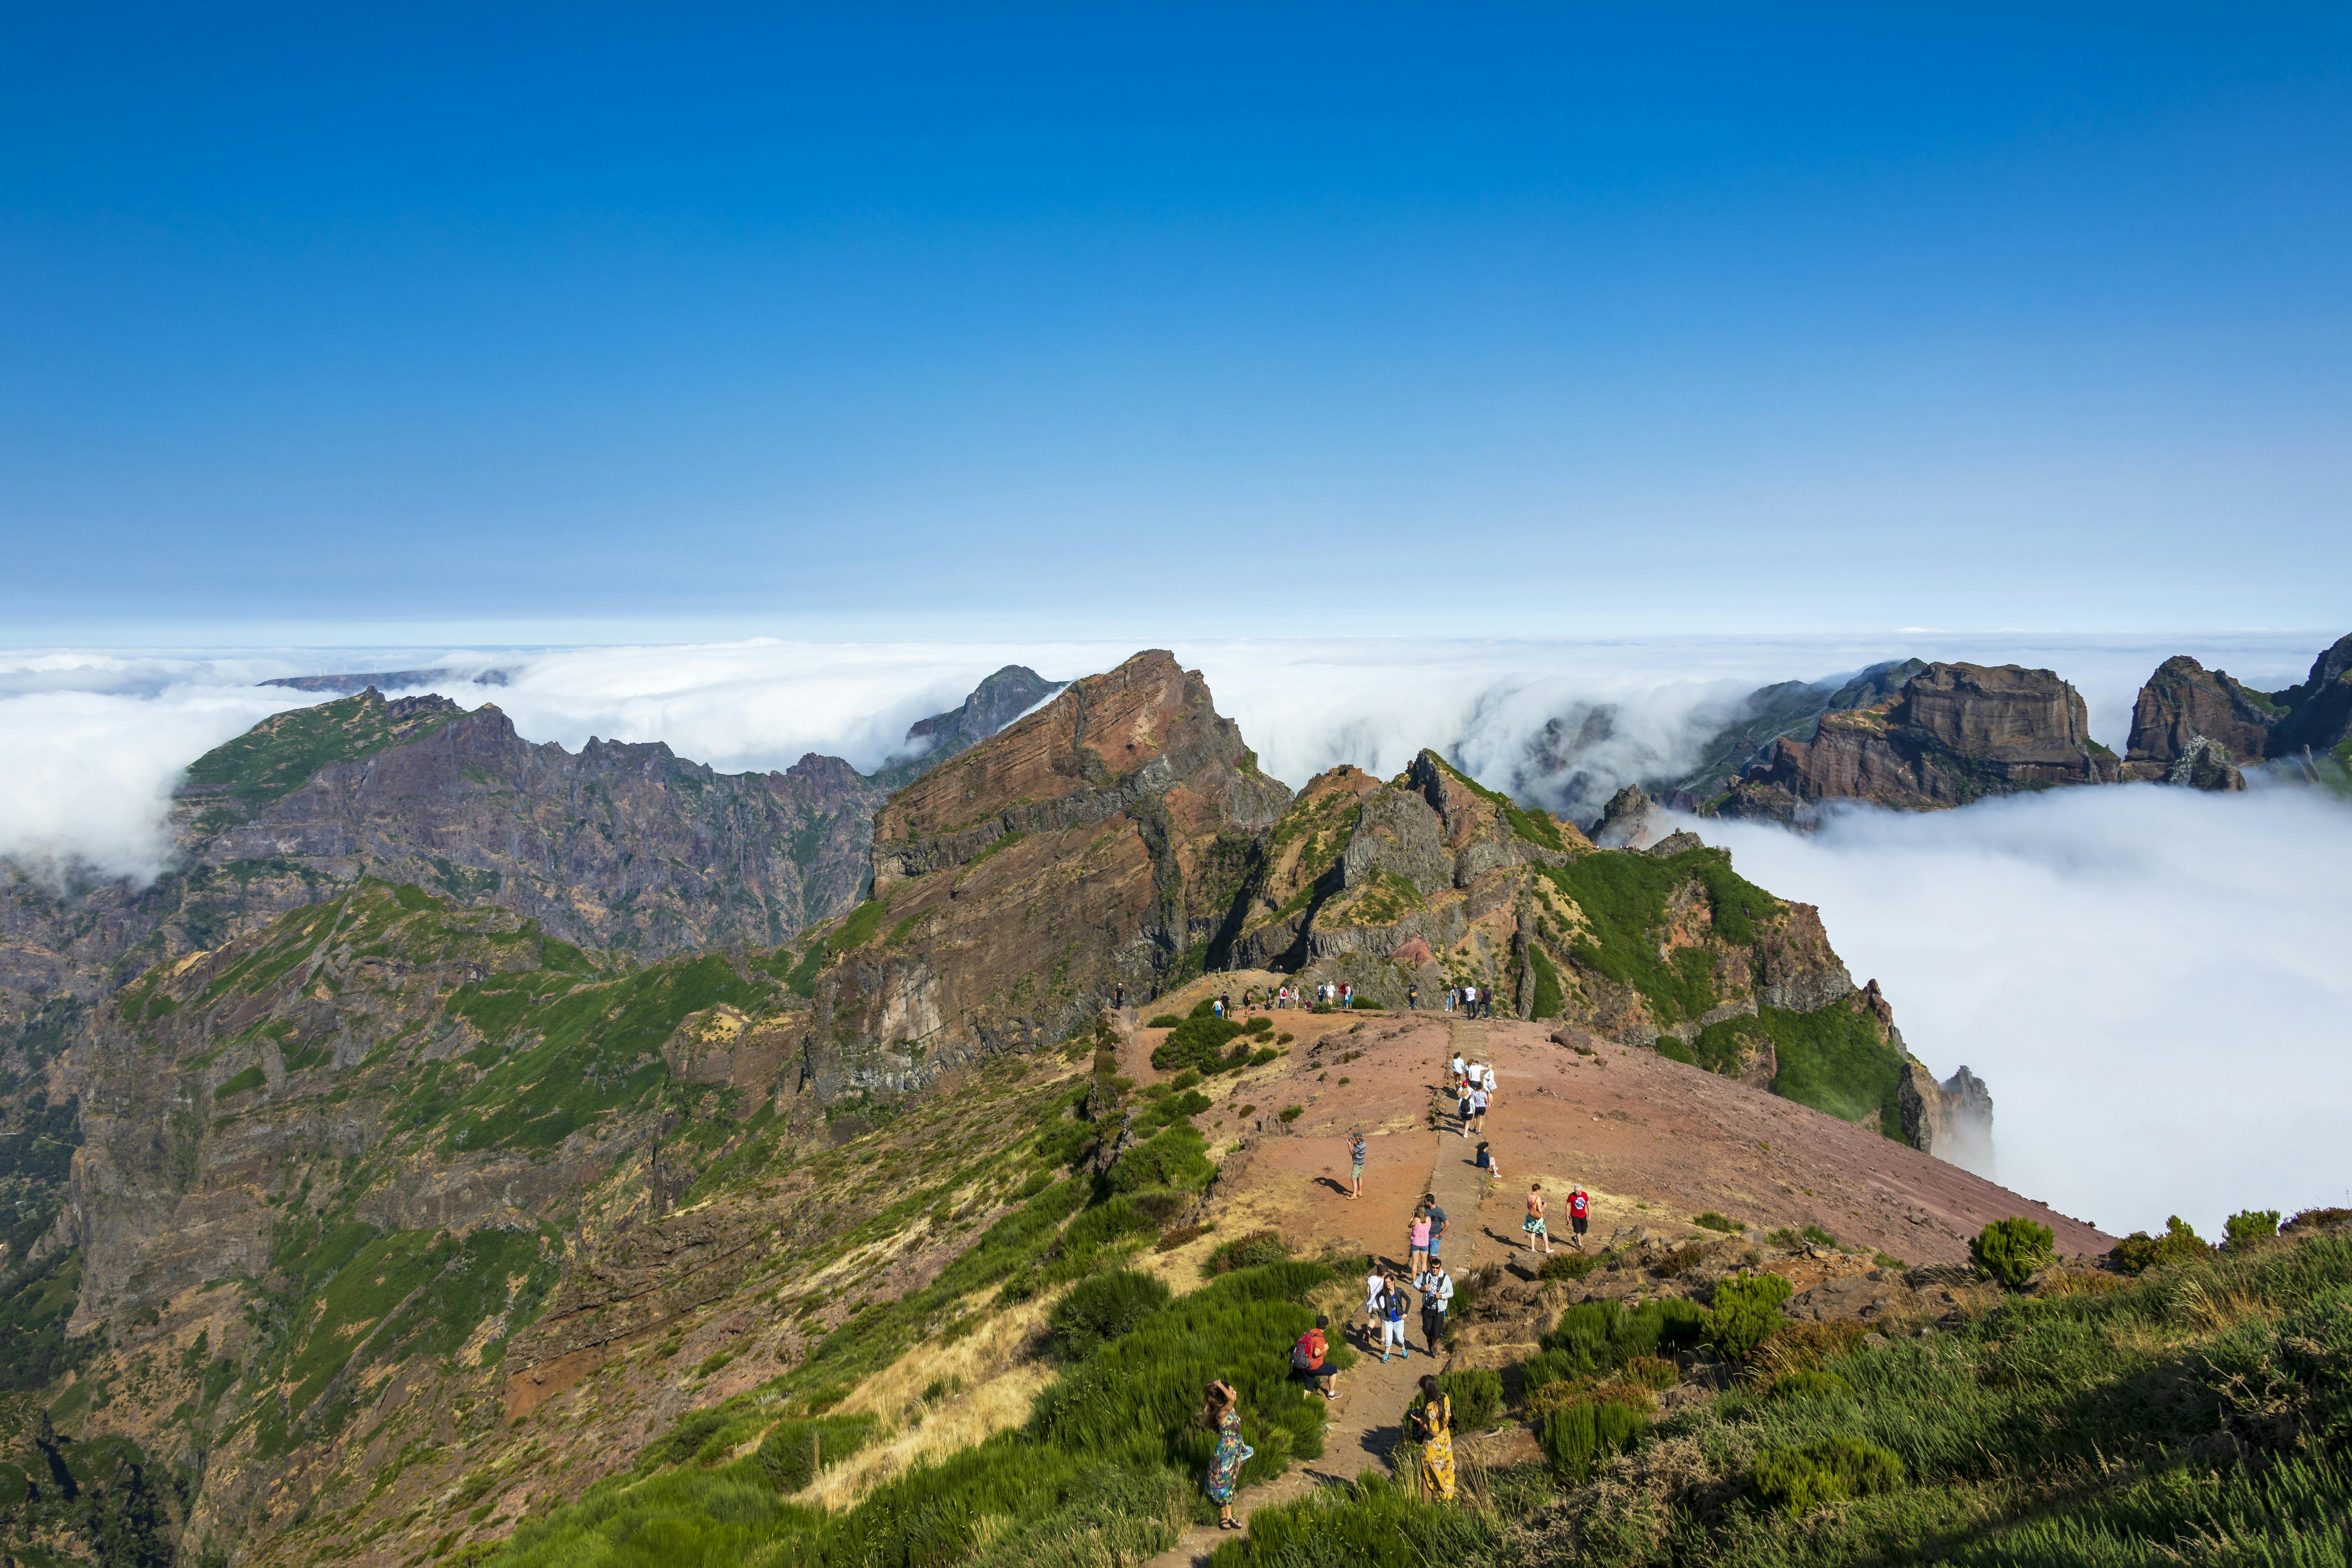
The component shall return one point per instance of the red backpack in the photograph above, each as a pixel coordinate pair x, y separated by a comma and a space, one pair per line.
1309, 1350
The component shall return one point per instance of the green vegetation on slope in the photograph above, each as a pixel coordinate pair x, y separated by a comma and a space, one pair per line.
1830, 1058
1535, 826
278, 756
2200, 1416
1625, 899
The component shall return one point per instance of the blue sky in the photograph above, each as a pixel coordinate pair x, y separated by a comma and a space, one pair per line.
495, 324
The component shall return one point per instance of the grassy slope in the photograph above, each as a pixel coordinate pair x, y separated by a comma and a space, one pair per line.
279, 755
2200, 1416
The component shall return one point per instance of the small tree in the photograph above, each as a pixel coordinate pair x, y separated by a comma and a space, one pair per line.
2012, 1250
2250, 1225
2138, 1252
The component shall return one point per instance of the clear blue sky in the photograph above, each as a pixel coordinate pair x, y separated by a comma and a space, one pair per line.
589, 322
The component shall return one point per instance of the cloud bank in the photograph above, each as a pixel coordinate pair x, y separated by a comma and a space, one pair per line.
2152, 981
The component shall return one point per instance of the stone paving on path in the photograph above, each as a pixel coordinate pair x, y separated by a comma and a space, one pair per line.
1367, 1417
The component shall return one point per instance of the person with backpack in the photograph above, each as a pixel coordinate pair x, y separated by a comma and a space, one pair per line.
1580, 1214
1416, 1237
1436, 1287
1477, 1109
1376, 1285
1487, 1083
1308, 1355
1436, 1226
1357, 1150
1461, 1103
1412, 998
1393, 1307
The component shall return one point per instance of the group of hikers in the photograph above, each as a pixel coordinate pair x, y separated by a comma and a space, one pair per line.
1475, 1001
1390, 1304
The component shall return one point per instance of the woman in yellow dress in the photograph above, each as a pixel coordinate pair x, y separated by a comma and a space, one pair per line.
1432, 1425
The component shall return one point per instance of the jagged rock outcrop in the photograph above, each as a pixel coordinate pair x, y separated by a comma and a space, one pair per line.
1099, 842
2318, 719
1951, 1119
1790, 709
2191, 724
992, 705
1624, 822
1954, 733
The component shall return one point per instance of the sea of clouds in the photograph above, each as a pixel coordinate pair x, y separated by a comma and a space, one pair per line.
2148, 978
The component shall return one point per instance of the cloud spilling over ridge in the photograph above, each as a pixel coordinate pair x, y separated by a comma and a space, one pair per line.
2153, 981
97, 739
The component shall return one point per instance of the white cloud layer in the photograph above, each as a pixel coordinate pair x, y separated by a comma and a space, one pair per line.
2152, 981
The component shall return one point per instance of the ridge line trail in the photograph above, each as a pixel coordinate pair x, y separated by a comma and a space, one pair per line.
1365, 1419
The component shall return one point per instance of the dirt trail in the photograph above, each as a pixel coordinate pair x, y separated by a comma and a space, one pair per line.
1367, 1417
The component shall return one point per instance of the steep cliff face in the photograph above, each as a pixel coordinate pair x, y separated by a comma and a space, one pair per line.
1097, 844
2191, 725
1954, 733
2319, 711
1792, 709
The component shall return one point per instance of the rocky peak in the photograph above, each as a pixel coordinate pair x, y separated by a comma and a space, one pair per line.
1625, 822
2195, 723
2321, 716
1953, 734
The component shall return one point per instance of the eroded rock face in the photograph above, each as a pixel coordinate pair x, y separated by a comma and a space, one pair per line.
1625, 822
2320, 716
1952, 1120
1956, 732
2191, 724
1100, 841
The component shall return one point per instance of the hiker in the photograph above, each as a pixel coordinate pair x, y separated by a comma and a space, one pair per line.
1118, 994
1461, 1103
1221, 1413
1459, 1067
1479, 1109
1431, 1426
1307, 1357
1579, 1214
1225, 1004
1451, 993
1281, 998
1216, 1007
1412, 998
1416, 1237
1487, 1082
1348, 994
1436, 1299
1489, 1164
1393, 1306
1356, 1152
1436, 1226
1470, 999
1534, 1224
1376, 1285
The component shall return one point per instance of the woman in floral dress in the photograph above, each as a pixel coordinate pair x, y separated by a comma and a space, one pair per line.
1222, 1413
1432, 1425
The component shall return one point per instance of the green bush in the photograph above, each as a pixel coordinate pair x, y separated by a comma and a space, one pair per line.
1371, 1522
1197, 1042
1808, 1384
1545, 1368
1746, 1312
1713, 1221
1176, 1157
2249, 1225
1260, 1026
1263, 1055
2010, 1250
1476, 1395
1255, 1251
1579, 1435
2140, 1252
1164, 1021
1801, 1478
1103, 1309
1568, 1266
793, 1451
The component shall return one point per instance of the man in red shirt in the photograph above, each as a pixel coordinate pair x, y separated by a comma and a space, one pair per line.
1580, 1212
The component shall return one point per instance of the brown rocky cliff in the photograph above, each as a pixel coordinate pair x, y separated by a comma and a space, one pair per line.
2321, 708
1954, 732
1102, 841
2183, 713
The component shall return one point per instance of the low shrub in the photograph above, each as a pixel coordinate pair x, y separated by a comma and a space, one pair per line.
1366, 1005
1568, 1266
1290, 1113
1801, 1478
2012, 1250
1371, 1522
683, 1440
1713, 1221
1546, 1368
1476, 1395
793, 1451
1255, 1251
1102, 1308
1680, 1261
1581, 1434
2318, 1219
1811, 1384
1182, 1235
1164, 1021
1283, 1039
2250, 1225
1260, 1026
2140, 1252
1795, 1345
1197, 1043
1746, 1312
1263, 1055
1652, 1372
1176, 1157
